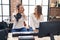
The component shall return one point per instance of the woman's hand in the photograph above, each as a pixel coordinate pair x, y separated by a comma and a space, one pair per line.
26, 25
36, 30
23, 15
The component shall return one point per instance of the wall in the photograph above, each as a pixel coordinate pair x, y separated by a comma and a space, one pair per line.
13, 5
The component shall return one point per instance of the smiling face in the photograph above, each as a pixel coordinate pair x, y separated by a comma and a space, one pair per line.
21, 9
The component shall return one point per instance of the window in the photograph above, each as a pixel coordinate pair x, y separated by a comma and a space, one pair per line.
4, 9
25, 2
45, 12
0, 1
29, 6
0, 9
5, 1
31, 2
45, 2
26, 8
39, 2
31, 9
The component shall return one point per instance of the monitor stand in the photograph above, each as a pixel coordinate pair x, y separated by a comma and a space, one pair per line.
52, 36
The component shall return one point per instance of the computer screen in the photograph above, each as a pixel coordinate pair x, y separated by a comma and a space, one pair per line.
46, 28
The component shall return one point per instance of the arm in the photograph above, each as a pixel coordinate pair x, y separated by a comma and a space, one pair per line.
31, 22
41, 18
13, 20
25, 17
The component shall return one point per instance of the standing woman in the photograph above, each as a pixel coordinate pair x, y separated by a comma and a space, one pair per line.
36, 18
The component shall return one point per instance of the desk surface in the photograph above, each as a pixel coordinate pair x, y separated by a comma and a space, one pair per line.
36, 37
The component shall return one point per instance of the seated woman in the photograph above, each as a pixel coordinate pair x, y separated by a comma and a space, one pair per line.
19, 20
36, 18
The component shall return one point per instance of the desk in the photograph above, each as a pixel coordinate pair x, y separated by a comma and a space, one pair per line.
36, 37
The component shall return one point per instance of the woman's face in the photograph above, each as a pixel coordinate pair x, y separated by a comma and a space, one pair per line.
21, 9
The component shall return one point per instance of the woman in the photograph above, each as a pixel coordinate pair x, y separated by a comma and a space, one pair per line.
19, 19
36, 17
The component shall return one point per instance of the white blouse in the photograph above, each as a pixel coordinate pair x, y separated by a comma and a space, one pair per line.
33, 22
18, 24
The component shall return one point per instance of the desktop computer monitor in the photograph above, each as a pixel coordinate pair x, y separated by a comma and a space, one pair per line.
47, 28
